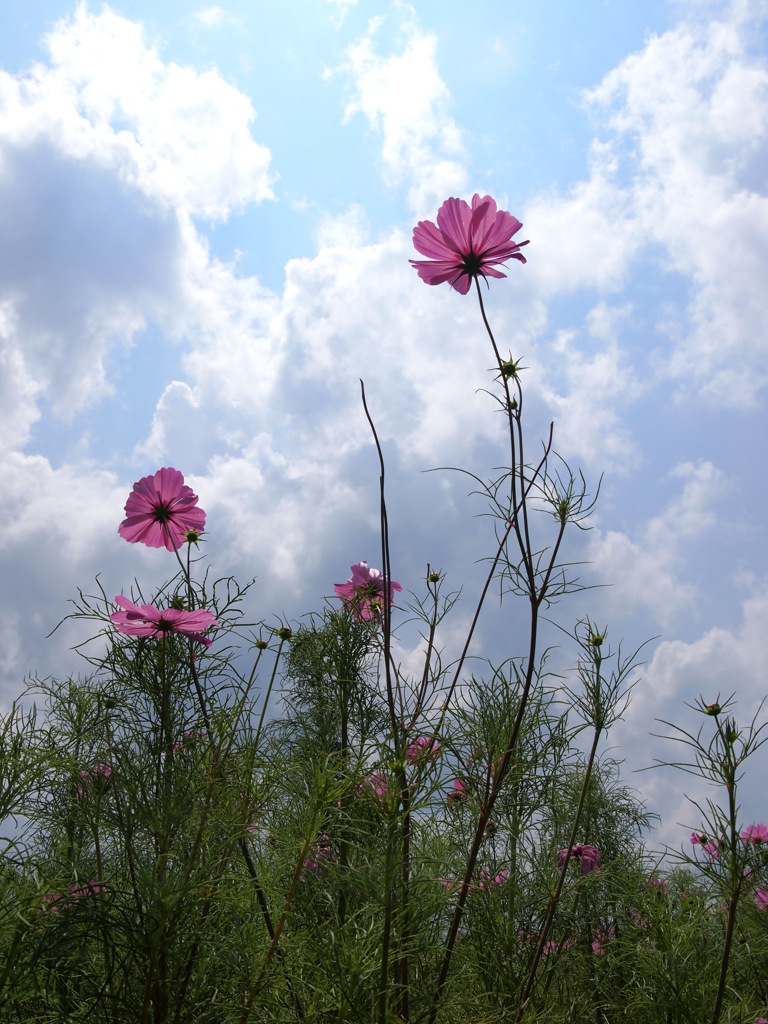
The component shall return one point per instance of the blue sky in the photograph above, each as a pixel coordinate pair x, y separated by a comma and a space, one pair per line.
205, 221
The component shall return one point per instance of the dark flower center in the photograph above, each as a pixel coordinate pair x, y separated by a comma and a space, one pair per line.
162, 513
472, 264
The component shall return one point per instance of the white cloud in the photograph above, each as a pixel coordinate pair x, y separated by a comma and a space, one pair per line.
106, 96
105, 154
342, 8
720, 662
404, 98
645, 573
210, 17
689, 117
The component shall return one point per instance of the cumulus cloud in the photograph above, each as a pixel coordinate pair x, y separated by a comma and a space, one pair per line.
645, 572
341, 10
106, 96
210, 17
687, 119
403, 97
719, 663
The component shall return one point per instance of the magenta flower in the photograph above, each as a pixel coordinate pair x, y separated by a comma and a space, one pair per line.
364, 591
602, 937
162, 510
459, 794
761, 897
587, 856
322, 853
422, 749
377, 784
145, 620
466, 243
658, 884
755, 834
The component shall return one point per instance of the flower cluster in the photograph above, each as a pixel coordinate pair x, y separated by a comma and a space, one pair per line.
322, 853
53, 902
482, 879
162, 510
99, 774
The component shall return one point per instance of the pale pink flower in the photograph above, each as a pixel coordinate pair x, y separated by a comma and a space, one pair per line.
761, 898
486, 880
324, 851
364, 592
423, 748
755, 834
602, 937
587, 856
459, 794
466, 243
162, 510
145, 620
378, 785
98, 773
710, 846
659, 884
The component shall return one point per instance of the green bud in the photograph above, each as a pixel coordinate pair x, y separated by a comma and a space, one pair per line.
713, 709
284, 633
596, 639
434, 577
261, 645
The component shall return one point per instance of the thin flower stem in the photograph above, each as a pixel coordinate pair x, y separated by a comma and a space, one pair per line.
386, 571
269, 688
387, 926
736, 879
489, 578
255, 988
560, 882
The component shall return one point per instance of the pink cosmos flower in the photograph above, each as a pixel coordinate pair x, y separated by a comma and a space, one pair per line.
162, 510
422, 749
710, 846
755, 834
761, 897
323, 852
364, 591
459, 794
377, 784
100, 773
587, 856
603, 936
144, 620
659, 884
466, 243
